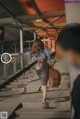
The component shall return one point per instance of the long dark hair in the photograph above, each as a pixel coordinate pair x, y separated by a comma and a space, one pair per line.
37, 46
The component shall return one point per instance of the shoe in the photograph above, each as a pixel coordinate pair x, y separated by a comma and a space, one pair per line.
39, 89
44, 104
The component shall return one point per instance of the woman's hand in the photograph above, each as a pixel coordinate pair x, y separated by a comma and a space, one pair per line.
50, 64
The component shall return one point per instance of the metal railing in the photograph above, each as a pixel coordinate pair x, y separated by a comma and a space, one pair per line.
19, 62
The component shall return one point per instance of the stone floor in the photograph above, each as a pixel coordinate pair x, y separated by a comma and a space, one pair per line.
58, 99
58, 104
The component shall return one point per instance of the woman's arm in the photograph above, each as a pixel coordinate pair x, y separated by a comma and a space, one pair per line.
48, 55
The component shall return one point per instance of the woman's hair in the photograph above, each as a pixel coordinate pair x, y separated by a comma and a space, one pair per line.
37, 46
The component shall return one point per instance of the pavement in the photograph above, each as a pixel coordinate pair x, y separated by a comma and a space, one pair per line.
58, 99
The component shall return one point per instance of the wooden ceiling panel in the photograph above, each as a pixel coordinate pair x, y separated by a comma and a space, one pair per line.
43, 5
49, 33
51, 30
27, 6
61, 20
50, 5
59, 25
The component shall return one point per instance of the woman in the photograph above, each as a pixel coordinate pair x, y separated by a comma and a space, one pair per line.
42, 56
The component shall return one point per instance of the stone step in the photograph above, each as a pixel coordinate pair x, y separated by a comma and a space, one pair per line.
33, 86
16, 85
52, 107
52, 115
20, 79
12, 89
32, 71
33, 75
59, 88
9, 108
32, 78
4, 89
11, 92
23, 76
19, 83
34, 110
11, 86
29, 79
2, 99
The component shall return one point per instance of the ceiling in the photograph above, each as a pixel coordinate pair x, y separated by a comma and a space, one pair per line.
44, 17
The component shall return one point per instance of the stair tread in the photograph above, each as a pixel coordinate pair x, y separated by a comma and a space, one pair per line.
9, 107
52, 115
34, 110
9, 93
33, 86
37, 107
18, 83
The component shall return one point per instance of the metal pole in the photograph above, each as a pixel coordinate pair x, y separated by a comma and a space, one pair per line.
15, 48
15, 60
34, 36
38, 37
21, 48
5, 71
29, 46
2, 48
21, 41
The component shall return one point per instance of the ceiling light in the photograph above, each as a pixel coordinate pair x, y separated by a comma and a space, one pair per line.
13, 23
39, 20
16, 23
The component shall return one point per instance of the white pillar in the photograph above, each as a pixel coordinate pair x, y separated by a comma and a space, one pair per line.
34, 36
72, 15
21, 48
72, 12
21, 41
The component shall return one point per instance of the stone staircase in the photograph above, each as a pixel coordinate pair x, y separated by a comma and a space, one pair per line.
58, 108
21, 99
17, 87
28, 106
10, 109
33, 110
22, 81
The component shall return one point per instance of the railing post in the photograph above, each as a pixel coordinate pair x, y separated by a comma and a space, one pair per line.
21, 48
5, 71
34, 36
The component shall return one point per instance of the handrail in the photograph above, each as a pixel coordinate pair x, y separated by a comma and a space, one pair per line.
17, 73
6, 82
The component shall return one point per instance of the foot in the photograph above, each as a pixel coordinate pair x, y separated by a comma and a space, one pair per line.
44, 104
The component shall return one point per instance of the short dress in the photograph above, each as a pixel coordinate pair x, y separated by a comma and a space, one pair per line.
43, 73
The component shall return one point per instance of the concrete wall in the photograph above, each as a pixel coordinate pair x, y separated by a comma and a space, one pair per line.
72, 12
72, 15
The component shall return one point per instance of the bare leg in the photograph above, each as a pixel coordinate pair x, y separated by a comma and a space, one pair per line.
44, 90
